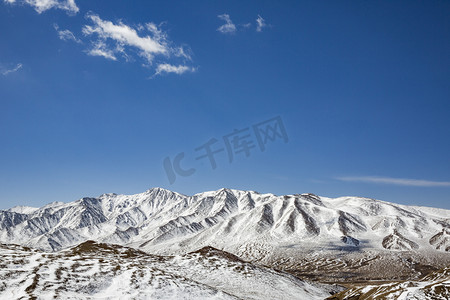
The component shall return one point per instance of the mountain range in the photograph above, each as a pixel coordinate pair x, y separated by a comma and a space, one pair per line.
328, 239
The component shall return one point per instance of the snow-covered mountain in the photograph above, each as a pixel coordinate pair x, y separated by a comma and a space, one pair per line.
278, 230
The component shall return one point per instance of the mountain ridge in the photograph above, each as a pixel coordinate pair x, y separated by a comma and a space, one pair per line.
217, 206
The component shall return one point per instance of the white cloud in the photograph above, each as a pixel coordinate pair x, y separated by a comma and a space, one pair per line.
228, 27
8, 71
260, 23
122, 35
396, 181
42, 5
168, 68
66, 35
182, 52
100, 49
112, 40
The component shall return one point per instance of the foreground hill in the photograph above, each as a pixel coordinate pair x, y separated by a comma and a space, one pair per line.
103, 271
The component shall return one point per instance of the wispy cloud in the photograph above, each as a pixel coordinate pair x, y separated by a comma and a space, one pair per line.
99, 48
8, 71
168, 68
66, 35
260, 23
122, 35
396, 181
42, 5
111, 40
228, 27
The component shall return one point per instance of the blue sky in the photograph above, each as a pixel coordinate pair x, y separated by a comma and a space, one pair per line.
96, 95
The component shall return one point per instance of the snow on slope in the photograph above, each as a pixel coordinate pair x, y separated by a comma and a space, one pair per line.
23, 209
246, 223
101, 271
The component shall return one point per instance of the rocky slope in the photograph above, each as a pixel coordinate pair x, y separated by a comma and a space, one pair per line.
434, 286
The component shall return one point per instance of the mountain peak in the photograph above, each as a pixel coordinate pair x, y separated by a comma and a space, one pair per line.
163, 191
107, 195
